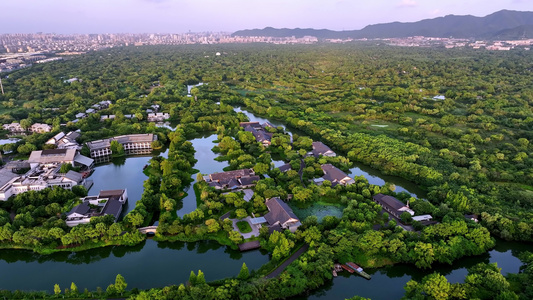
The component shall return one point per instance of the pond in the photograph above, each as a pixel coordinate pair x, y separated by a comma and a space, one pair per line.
318, 210
377, 178
149, 264
121, 173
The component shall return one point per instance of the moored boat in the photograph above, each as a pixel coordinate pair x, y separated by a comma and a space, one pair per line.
358, 270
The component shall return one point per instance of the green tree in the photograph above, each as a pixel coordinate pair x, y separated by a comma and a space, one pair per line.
65, 168
200, 279
57, 289
73, 289
192, 278
244, 273
212, 225
120, 284
116, 148
241, 213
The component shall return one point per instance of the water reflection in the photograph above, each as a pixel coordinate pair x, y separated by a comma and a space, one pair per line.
149, 264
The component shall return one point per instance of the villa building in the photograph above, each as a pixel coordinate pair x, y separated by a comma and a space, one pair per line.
105, 203
58, 156
37, 178
319, 149
40, 128
133, 144
335, 176
392, 205
280, 216
158, 117
231, 180
259, 131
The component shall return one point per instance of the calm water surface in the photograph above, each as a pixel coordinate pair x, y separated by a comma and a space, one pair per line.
149, 264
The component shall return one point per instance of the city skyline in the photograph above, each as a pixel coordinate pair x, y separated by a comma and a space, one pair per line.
179, 16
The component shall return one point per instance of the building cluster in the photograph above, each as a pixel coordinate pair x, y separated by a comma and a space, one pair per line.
15, 61
15, 127
259, 131
93, 109
232, 180
65, 141
158, 117
108, 202
422, 41
43, 170
66, 44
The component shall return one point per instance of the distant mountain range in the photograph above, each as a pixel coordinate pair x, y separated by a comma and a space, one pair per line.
504, 24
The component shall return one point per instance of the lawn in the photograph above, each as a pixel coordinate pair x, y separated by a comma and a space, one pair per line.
244, 227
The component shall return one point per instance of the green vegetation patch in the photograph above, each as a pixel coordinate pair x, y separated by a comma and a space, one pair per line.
244, 226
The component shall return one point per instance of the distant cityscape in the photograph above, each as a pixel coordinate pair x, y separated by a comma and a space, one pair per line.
22, 50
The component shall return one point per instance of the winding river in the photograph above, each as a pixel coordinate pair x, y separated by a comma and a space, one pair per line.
152, 264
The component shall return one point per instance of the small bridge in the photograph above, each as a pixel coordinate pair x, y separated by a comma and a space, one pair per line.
148, 229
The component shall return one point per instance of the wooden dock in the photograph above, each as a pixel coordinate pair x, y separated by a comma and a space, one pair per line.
345, 267
358, 270
249, 246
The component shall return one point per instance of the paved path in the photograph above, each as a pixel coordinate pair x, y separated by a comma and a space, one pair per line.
255, 228
293, 257
301, 171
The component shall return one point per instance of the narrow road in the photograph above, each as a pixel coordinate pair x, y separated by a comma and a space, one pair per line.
293, 257
301, 171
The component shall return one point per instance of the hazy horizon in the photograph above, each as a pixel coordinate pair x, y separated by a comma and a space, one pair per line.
181, 16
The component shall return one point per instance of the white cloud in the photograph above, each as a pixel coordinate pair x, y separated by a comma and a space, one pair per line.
407, 3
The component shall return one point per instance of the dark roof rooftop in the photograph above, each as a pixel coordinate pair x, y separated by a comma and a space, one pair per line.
233, 183
252, 124
249, 245
111, 194
285, 167
249, 180
320, 148
278, 211
273, 228
53, 151
74, 176
333, 173
225, 177
81, 209
389, 201
112, 207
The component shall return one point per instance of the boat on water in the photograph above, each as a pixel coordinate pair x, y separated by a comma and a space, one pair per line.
345, 267
358, 270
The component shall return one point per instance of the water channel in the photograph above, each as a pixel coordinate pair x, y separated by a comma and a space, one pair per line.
152, 264
9, 141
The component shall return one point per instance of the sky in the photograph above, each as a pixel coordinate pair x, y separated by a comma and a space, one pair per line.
180, 16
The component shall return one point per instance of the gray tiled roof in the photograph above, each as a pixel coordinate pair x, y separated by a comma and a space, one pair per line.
278, 211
